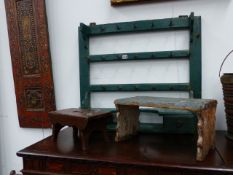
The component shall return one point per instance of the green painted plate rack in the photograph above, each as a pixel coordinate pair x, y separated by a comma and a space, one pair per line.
173, 121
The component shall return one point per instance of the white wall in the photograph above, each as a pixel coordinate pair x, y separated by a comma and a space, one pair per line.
64, 17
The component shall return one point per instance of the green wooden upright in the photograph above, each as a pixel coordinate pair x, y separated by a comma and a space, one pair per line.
173, 120
84, 66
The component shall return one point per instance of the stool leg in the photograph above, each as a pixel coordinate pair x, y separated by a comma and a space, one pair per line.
206, 132
127, 122
56, 128
84, 139
106, 138
103, 130
75, 132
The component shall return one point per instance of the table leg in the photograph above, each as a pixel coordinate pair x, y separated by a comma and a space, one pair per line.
127, 121
206, 132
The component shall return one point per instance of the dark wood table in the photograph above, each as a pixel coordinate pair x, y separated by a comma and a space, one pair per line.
144, 154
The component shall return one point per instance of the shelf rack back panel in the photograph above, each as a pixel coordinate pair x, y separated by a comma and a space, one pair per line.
173, 121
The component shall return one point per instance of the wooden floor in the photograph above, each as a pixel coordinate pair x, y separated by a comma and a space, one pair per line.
160, 151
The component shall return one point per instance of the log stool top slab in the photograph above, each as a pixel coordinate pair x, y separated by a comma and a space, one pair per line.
193, 105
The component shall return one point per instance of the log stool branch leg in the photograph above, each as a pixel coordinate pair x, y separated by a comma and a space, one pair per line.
206, 132
127, 122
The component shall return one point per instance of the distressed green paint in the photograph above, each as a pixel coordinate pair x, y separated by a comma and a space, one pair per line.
139, 87
140, 26
84, 66
191, 23
179, 124
195, 56
180, 54
190, 104
159, 111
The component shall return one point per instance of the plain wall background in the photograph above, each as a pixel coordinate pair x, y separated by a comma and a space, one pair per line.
64, 17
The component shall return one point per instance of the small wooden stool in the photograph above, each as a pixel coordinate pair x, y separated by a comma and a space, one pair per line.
83, 120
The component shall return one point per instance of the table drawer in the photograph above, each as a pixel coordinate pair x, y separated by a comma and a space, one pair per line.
168, 172
32, 164
140, 171
55, 166
106, 171
82, 169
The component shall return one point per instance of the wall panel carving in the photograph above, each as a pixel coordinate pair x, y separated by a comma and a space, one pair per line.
27, 38
31, 61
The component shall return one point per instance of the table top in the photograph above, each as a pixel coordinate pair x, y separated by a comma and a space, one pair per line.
152, 150
193, 105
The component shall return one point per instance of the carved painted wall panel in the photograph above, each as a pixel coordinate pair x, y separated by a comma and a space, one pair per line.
31, 61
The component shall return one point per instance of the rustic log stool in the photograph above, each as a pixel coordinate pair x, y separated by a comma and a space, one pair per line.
204, 110
84, 121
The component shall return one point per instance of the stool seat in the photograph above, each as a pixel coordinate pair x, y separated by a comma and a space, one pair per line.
84, 121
